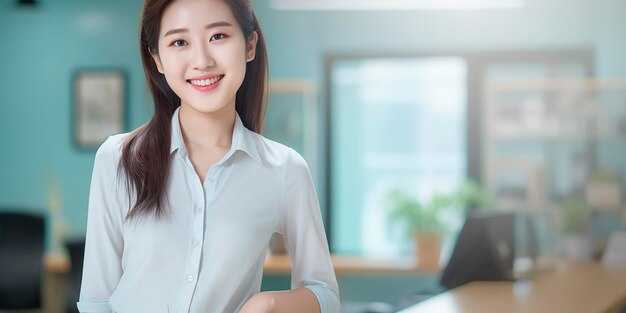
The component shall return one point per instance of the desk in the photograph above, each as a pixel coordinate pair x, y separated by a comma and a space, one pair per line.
572, 288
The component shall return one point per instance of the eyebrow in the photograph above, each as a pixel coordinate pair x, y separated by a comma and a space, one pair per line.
184, 30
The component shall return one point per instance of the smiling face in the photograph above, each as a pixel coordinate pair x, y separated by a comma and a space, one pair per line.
203, 53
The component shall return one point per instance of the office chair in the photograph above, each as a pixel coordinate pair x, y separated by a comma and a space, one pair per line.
76, 250
21, 259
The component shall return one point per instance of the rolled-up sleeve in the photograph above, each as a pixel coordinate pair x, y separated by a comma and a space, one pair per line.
305, 237
104, 243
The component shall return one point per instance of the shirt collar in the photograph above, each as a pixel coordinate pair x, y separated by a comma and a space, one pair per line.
177, 137
243, 139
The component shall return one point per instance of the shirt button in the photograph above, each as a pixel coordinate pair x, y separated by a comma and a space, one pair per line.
198, 209
210, 180
189, 278
196, 242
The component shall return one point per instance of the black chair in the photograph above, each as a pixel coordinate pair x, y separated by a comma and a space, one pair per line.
21, 259
76, 250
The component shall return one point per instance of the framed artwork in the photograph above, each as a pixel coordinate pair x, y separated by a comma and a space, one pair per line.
291, 117
99, 106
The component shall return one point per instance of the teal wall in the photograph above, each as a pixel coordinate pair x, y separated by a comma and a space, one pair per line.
611, 38
43, 47
359, 288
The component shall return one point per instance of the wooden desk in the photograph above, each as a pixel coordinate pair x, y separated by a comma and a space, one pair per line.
280, 264
572, 288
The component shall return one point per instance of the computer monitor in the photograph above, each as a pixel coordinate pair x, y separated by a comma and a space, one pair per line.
484, 251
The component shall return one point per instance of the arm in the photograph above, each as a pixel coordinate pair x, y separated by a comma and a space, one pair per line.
104, 242
305, 238
313, 281
301, 300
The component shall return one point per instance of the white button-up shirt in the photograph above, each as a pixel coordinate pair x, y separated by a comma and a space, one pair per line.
208, 254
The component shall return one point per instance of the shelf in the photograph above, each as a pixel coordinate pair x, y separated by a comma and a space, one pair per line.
546, 135
280, 264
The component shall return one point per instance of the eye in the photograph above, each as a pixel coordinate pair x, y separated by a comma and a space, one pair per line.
178, 43
218, 37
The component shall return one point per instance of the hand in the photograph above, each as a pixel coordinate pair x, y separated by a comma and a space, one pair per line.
259, 303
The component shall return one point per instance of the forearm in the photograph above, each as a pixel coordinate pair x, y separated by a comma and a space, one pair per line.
301, 300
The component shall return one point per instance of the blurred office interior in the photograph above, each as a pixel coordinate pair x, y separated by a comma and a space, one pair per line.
411, 115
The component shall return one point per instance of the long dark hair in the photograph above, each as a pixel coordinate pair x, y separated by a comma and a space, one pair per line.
145, 154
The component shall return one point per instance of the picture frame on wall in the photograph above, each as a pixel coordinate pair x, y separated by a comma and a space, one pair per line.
291, 117
99, 106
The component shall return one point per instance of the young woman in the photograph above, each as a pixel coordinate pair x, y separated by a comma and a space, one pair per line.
182, 209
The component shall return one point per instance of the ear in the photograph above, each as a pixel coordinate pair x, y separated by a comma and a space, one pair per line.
157, 60
251, 46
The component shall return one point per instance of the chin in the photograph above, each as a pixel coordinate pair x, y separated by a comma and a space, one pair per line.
207, 108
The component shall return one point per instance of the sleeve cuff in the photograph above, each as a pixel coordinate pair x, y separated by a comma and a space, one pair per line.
328, 298
94, 307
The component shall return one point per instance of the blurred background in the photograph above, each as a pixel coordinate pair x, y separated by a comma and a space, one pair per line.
412, 115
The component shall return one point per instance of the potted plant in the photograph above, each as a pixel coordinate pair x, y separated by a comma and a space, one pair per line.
473, 197
576, 219
422, 222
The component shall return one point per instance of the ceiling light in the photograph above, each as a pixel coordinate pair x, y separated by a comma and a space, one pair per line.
332, 5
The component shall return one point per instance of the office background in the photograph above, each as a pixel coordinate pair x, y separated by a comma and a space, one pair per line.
44, 46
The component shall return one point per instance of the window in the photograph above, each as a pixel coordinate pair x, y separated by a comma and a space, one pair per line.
396, 123
413, 123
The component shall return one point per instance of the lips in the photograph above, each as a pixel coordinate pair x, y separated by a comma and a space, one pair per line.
205, 83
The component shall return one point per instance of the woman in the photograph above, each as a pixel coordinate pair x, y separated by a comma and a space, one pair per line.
182, 209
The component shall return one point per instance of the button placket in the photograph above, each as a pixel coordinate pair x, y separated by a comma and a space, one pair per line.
196, 231
210, 182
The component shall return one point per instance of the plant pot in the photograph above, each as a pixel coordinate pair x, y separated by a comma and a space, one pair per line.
428, 249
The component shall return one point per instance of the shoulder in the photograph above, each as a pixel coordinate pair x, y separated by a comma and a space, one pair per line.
277, 154
110, 150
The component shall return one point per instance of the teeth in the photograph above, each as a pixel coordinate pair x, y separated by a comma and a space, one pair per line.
206, 82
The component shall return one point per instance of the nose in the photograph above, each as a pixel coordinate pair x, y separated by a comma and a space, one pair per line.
202, 58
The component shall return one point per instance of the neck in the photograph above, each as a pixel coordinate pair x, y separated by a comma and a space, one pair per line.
207, 130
